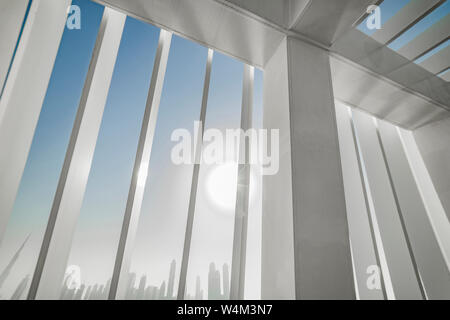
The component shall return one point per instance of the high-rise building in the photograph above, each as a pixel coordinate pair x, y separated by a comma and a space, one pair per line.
9, 266
214, 292
141, 289
171, 283
226, 281
198, 290
130, 286
162, 291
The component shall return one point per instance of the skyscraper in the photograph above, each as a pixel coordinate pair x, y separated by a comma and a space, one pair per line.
214, 292
198, 290
226, 281
171, 283
7, 270
162, 291
130, 286
141, 289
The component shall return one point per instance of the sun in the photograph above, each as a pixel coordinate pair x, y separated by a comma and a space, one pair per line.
221, 186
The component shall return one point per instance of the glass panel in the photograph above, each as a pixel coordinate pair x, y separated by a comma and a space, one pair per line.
96, 237
41, 174
212, 235
160, 237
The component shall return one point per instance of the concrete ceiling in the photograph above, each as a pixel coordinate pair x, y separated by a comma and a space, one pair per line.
210, 23
251, 30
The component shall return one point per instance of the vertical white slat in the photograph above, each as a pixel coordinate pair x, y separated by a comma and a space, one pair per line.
195, 178
277, 243
12, 15
243, 191
50, 268
430, 197
402, 268
139, 178
430, 261
364, 250
24, 94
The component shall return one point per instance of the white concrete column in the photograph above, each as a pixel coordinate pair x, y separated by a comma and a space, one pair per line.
12, 15
402, 267
306, 250
24, 94
122, 264
430, 261
52, 261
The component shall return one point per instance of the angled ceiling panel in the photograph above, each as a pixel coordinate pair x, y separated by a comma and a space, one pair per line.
360, 89
407, 17
208, 22
438, 62
272, 10
446, 76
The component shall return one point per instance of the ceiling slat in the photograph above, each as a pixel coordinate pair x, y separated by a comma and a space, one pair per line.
406, 18
427, 40
437, 62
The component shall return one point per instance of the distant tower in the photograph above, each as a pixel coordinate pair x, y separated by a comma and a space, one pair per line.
226, 281
4, 275
170, 284
198, 290
130, 286
141, 289
213, 283
162, 291
20, 288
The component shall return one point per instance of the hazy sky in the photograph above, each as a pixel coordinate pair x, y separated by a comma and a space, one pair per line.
163, 220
